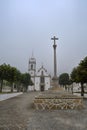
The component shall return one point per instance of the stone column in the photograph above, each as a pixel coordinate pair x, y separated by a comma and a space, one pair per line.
55, 62
55, 78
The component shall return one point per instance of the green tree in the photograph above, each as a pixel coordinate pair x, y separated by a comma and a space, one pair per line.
3, 74
25, 80
18, 80
74, 75
14, 77
11, 74
79, 74
64, 79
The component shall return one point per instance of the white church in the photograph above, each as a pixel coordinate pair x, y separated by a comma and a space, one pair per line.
41, 79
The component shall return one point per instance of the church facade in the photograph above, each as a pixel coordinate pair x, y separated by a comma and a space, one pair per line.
41, 79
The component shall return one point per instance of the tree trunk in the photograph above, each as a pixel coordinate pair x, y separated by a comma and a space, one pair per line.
68, 88
72, 88
17, 89
82, 89
65, 87
1, 86
12, 87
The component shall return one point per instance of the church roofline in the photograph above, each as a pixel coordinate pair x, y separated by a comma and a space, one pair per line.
42, 68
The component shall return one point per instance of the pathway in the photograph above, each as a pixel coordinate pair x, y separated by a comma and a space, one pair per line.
17, 114
9, 95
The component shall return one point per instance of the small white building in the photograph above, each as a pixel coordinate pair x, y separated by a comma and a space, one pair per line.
41, 78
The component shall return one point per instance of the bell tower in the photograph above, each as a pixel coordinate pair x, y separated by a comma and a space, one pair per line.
32, 66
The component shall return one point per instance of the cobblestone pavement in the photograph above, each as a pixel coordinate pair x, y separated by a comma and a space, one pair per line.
17, 114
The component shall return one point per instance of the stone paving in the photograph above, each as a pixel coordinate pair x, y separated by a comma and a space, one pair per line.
17, 114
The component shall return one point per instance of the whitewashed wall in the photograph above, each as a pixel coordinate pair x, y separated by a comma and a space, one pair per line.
37, 83
47, 83
30, 88
36, 80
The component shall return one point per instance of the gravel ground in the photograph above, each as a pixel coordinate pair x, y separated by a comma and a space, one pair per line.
17, 114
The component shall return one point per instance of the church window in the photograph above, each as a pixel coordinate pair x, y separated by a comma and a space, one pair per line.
31, 66
42, 79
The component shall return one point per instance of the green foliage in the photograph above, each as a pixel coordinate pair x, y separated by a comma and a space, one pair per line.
13, 75
3, 74
79, 74
64, 79
74, 75
25, 80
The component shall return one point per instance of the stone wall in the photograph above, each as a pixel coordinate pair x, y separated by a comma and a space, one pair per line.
52, 103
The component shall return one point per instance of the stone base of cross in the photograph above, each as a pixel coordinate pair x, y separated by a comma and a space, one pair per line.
55, 82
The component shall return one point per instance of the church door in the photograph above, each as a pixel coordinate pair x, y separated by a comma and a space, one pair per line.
42, 87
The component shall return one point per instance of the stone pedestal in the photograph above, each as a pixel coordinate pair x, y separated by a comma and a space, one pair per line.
55, 82
53, 100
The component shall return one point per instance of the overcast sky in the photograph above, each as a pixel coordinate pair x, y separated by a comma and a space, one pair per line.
27, 26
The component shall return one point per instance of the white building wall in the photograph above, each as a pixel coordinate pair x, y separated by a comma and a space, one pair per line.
37, 83
35, 77
32, 78
30, 88
47, 83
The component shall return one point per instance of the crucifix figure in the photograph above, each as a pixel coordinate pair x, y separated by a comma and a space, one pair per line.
55, 62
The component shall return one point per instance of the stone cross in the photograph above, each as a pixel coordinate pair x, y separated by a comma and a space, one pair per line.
55, 63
